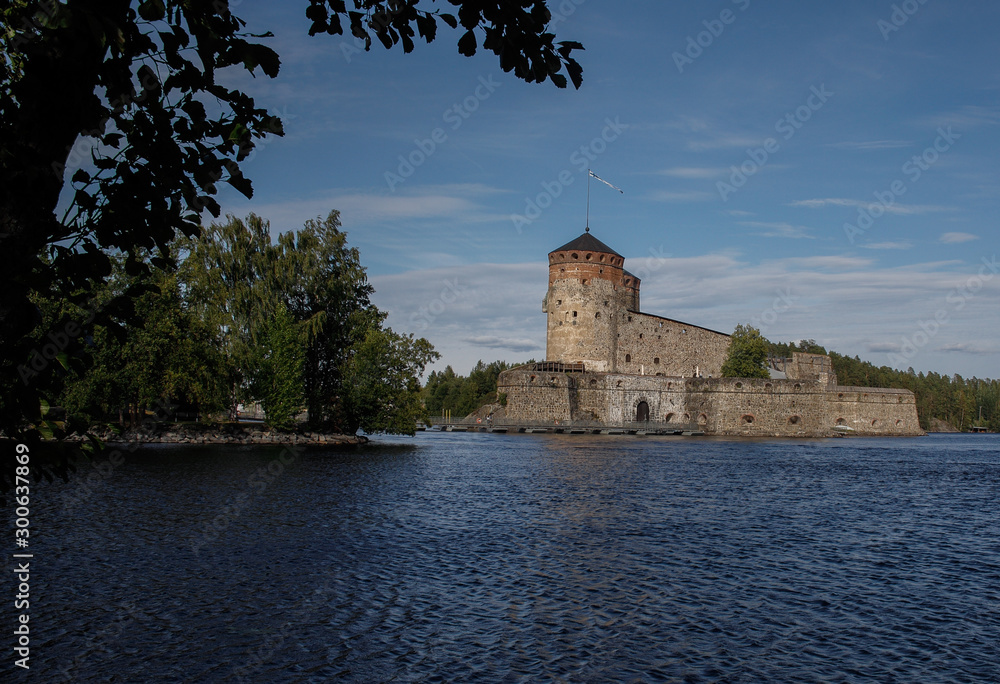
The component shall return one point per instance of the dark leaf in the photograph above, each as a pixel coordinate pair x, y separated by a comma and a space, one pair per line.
467, 44
152, 10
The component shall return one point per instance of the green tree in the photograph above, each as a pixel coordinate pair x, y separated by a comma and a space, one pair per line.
747, 357
328, 293
137, 82
169, 356
294, 320
462, 395
278, 381
381, 390
228, 276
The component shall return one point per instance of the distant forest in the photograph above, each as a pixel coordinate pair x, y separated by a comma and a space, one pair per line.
952, 399
447, 391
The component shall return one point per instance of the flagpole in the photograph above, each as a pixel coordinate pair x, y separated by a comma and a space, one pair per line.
587, 228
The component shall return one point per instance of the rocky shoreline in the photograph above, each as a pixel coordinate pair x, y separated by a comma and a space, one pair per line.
238, 434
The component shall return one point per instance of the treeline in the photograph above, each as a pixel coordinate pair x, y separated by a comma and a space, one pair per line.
243, 318
446, 391
952, 399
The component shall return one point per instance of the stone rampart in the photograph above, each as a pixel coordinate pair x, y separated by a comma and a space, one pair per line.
718, 406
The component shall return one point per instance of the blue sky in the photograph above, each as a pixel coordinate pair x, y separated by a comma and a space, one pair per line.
822, 170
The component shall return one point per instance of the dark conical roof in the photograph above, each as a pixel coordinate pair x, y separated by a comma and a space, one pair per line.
587, 243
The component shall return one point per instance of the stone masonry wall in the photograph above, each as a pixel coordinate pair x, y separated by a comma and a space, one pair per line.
719, 406
653, 345
872, 411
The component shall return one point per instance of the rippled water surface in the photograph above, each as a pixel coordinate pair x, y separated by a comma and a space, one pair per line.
457, 557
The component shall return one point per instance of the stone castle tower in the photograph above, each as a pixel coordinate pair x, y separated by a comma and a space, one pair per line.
593, 313
588, 288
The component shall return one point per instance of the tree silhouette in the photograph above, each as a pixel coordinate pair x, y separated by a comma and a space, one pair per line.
135, 83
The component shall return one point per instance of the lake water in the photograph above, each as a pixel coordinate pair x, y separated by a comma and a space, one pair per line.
473, 557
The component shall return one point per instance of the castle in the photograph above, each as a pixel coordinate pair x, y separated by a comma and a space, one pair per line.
607, 363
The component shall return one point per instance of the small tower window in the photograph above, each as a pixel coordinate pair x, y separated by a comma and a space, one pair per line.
589, 257
628, 358
575, 255
574, 314
597, 315
656, 360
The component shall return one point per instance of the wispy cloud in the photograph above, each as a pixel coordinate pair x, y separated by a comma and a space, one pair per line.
871, 144
903, 209
969, 116
698, 172
966, 348
522, 345
779, 230
454, 202
681, 196
723, 142
902, 244
951, 238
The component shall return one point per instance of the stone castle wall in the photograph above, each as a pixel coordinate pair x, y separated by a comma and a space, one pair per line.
653, 345
718, 406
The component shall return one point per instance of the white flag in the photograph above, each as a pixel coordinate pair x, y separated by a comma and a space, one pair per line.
605, 182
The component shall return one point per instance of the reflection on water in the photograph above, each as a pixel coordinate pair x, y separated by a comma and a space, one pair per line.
454, 557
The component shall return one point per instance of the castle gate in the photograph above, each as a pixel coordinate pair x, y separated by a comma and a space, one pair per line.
642, 412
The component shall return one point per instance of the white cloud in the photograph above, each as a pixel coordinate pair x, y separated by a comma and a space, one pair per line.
951, 238
521, 345
904, 209
722, 142
902, 244
693, 172
779, 230
444, 203
967, 348
683, 196
872, 144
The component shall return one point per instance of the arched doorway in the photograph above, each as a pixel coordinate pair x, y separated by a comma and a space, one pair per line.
642, 412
